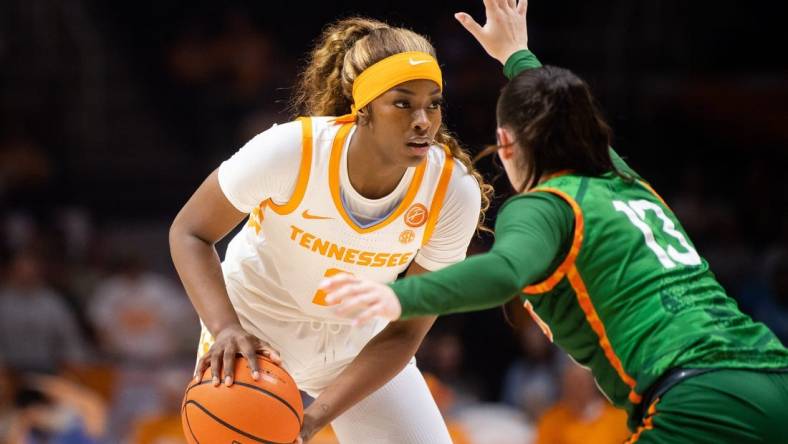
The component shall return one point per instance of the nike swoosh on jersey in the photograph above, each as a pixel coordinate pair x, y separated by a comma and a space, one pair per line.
417, 62
306, 215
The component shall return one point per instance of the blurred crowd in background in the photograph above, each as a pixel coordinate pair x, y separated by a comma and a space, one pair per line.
111, 113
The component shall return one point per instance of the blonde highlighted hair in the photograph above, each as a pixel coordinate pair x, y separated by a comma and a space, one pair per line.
345, 49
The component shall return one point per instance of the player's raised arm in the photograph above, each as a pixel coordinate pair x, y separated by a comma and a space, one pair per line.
505, 31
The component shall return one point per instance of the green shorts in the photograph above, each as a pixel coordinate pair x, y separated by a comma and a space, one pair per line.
720, 407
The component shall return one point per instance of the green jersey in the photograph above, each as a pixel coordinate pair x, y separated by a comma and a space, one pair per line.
605, 268
632, 297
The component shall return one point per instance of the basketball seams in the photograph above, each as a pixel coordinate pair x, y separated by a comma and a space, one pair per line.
254, 387
185, 415
226, 424
259, 419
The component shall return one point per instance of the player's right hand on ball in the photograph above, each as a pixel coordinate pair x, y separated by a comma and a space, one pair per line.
230, 342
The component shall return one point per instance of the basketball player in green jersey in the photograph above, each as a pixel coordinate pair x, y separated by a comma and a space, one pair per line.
603, 265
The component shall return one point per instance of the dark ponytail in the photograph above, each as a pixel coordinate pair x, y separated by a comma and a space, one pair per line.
557, 124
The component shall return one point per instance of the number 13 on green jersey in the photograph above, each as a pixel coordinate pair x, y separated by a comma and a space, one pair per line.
636, 211
633, 298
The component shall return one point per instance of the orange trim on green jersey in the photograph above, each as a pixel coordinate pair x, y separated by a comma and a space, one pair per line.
553, 280
647, 186
559, 173
333, 183
439, 195
529, 308
303, 172
648, 423
584, 299
569, 270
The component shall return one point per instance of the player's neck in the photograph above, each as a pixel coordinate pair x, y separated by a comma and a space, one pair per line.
371, 175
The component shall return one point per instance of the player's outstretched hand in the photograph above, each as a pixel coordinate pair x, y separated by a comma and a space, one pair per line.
504, 33
230, 342
361, 299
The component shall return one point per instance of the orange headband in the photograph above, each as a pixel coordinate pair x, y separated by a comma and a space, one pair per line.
388, 73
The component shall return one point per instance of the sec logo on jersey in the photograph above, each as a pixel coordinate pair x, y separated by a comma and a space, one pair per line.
407, 236
416, 215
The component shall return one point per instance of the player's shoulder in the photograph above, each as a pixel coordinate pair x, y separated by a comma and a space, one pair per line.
463, 182
533, 197
281, 135
290, 135
438, 155
463, 186
544, 203
291, 127
324, 129
317, 124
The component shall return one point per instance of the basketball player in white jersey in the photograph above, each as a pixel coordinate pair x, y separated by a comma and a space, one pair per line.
381, 190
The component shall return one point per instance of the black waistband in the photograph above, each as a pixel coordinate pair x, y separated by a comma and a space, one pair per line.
665, 382
672, 377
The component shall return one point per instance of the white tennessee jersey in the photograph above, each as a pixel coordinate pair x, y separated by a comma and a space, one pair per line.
285, 250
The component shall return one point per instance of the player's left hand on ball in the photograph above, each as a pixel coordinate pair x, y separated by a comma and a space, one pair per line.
361, 299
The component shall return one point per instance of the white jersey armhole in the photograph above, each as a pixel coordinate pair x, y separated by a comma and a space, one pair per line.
266, 167
456, 223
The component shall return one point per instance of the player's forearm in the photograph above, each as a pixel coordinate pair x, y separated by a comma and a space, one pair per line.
531, 234
199, 268
479, 282
377, 363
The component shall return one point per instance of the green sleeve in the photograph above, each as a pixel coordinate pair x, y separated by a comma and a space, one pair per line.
519, 62
532, 231
621, 165
523, 60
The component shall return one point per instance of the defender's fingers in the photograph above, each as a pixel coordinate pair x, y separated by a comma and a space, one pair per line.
469, 24
501, 5
489, 4
338, 281
346, 290
355, 304
522, 7
368, 315
338, 295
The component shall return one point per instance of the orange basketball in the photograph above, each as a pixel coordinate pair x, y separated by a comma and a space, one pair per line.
249, 412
